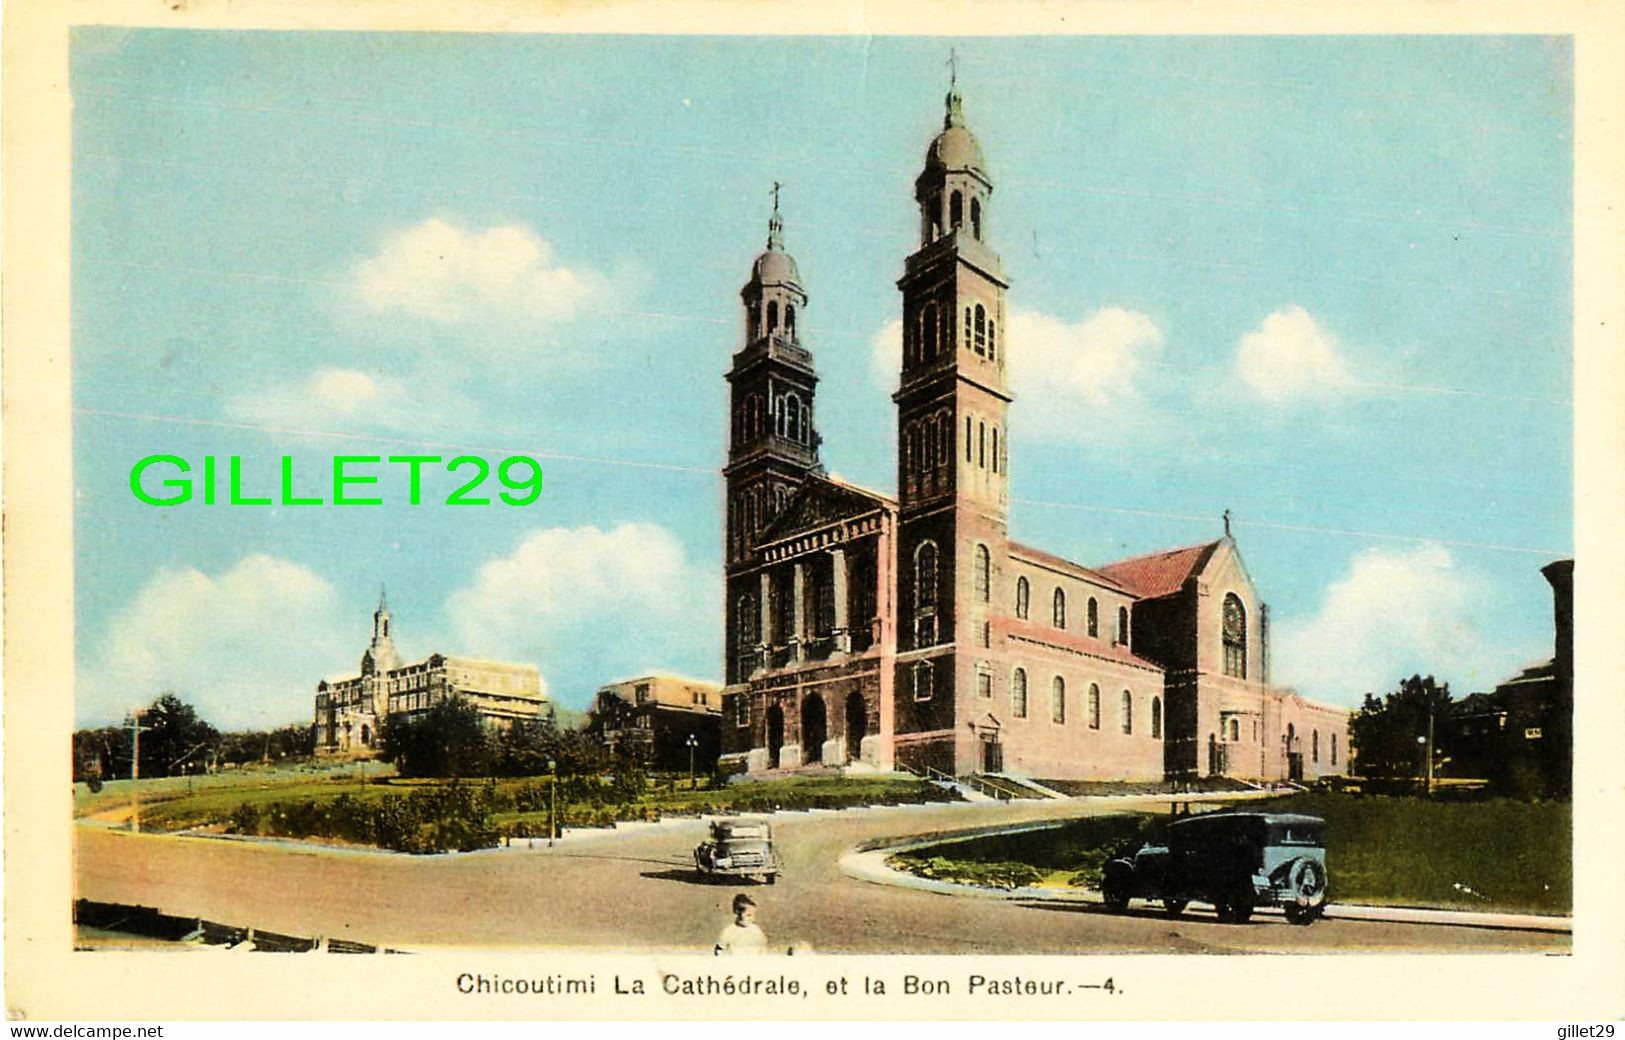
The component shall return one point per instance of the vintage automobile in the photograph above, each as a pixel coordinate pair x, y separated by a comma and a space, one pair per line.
1233, 860
739, 848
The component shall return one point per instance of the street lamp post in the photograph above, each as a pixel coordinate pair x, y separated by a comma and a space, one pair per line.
692, 742
552, 799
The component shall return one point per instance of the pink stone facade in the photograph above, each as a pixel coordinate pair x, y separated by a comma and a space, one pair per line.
912, 632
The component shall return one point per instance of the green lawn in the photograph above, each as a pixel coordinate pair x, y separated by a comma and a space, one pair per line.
168, 804
1483, 855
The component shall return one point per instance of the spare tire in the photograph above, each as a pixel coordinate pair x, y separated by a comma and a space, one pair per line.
1306, 882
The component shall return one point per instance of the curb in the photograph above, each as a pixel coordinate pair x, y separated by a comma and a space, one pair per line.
869, 864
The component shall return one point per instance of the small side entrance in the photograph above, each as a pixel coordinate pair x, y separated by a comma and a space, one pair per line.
992, 753
857, 720
775, 735
814, 730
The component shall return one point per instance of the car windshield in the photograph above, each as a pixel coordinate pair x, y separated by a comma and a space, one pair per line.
745, 833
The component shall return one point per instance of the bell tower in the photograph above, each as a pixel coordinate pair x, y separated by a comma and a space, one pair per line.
952, 438
772, 440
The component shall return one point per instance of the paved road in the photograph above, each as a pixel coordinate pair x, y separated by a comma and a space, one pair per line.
637, 891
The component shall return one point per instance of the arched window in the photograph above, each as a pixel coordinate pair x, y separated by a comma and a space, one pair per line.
967, 438
1093, 619
790, 319
967, 328
1334, 749
984, 680
1235, 730
992, 342
1314, 745
945, 438
751, 323
981, 330
1057, 700
995, 449
1128, 712
805, 425
928, 447
745, 620
1018, 693
925, 594
791, 407
956, 210
1235, 637
981, 443
976, 217
1058, 609
984, 573
1023, 597
923, 680
1156, 718
928, 331
1122, 625
1094, 706
772, 315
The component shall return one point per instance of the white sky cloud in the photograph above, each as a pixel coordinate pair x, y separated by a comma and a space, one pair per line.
329, 397
1396, 613
589, 597
245, 647
1066, 374
1096, 362
1291, 357
450, 275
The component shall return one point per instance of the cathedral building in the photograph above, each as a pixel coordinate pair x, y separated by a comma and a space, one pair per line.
914, 632
351, 711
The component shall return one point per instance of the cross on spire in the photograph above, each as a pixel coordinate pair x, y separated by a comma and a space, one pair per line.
953, 68
1227, 523
775, 226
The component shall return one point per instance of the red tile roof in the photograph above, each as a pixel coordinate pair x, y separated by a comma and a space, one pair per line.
1159, 574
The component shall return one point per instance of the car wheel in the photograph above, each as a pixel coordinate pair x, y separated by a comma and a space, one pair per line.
1304, 915
1174, 907
772, 879
1114, 893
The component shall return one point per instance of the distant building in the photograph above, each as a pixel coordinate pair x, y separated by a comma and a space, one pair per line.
1521, 735
659, 713
915, 631
351, 712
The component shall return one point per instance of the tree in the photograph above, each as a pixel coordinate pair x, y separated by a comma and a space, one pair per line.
174, 739
447, 740
1384, 733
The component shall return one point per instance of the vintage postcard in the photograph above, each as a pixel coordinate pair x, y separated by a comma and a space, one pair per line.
985, 516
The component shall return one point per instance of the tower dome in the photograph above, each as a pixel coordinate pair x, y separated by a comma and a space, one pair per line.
955, 148
775, 266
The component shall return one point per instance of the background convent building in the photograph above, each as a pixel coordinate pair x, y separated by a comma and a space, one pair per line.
913, 631
350, 711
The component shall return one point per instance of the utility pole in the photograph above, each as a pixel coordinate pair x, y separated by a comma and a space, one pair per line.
693, 742
135, 769
1430, 752
552, 799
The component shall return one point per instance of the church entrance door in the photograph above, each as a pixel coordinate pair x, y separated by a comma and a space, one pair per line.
814, 730
775, 735
857, 720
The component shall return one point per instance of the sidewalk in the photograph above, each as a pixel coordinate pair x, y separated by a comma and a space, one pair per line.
870, 865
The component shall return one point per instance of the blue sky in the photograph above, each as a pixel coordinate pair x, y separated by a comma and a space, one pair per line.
1322, 282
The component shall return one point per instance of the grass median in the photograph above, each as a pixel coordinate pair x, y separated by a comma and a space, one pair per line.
1493, 854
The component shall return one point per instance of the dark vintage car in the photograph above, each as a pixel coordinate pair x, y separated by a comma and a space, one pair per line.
1233, 860
739, 848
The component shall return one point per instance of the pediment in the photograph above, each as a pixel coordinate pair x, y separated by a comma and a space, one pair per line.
816, 504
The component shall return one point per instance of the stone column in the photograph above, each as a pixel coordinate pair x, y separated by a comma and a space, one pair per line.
764, 629
843, 634
799, 628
